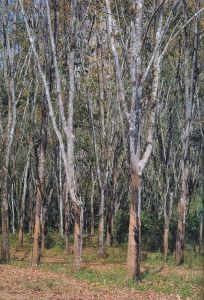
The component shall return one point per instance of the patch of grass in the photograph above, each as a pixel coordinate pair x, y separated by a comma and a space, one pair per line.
42, 285
27, 242
158, 274
116, 277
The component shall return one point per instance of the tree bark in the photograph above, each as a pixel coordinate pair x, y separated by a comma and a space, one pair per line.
92, 206
8, 66
78, 225
5, 249
22, 209
201, 233
61, 227
133, 256
110, 222
166, 238
101, 225
167, 218
13, 210
189, 86
40, 189
67, 218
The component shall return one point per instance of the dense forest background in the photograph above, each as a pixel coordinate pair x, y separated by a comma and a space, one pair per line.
101, 125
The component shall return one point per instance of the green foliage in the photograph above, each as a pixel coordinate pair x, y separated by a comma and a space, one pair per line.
122, 223
53, 240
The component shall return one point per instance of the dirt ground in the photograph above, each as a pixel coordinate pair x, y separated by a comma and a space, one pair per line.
31, 284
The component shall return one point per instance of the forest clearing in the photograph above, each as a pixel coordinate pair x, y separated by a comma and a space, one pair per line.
101, 149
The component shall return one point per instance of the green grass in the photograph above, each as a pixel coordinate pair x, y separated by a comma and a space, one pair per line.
159, 275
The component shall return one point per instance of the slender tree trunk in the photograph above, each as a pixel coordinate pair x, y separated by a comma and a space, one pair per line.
167, 218
60, 196
67, 125
31, 217
71, 178
67, 218
92, 206
13, 210
182, 210
101, 169
78, 225
40, 190
37, 228
43, 221
201, 233
190, 66
8, 67
5, 249
101, 225
22, 209
166, 237
42, 232
110, 222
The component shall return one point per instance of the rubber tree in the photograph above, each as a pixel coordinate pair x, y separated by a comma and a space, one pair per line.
66, 128
7, 130
190, 79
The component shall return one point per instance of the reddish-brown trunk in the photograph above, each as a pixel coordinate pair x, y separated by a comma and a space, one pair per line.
37, 230
20, 236
40, 189
133, 256
42, 236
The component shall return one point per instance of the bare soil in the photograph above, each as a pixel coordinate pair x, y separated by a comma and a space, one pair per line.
33, 284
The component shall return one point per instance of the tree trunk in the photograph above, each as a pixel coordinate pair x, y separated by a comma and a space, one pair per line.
5, 249
31, 216
67, 216
8, 135
92, 206
13, 210
133, 256
182, 208
37, 229
78, 225
201, 233
40, 189
110, 221
22, 209
61, 231
101, 225
166, 238
42, 246
167, 218
190, 65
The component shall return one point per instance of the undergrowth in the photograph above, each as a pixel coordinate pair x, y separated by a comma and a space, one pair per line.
158, 274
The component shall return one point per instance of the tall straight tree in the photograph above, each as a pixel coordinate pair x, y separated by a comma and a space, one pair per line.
8, 132
139, 155
67, 144
40, 186
190, 79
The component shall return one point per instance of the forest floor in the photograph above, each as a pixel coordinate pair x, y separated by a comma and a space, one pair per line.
99, 278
